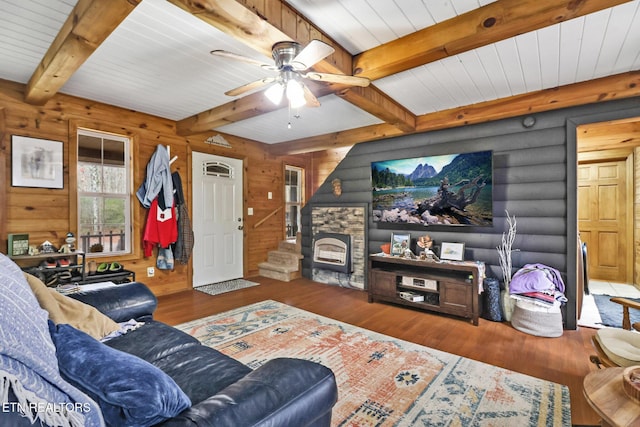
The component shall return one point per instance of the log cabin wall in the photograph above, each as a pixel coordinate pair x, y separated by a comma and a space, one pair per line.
534, 180
45, 214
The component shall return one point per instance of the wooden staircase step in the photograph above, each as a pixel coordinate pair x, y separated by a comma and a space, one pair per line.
278, 271
292, 247
277, 267
285, 258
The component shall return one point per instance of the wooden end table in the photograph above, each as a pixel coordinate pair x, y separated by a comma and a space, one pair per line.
603, 390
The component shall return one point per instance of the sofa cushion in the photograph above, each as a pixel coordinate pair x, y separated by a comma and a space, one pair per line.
152, 341
202, 371
281, 392
129, 390
63, 309
123, 302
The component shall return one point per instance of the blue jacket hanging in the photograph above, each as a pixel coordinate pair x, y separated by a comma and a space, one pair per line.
158, 180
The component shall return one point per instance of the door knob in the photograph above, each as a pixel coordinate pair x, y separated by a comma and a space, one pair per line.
241, 227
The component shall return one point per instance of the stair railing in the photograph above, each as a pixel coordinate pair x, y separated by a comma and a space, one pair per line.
259, 223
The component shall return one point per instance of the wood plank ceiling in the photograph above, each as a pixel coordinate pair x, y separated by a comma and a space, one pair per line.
433, 64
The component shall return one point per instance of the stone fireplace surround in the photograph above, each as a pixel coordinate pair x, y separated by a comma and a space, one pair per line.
350, 220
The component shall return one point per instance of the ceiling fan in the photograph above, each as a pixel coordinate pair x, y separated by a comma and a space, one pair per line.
291, 62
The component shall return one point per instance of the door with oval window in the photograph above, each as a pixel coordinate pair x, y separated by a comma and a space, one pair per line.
217, 219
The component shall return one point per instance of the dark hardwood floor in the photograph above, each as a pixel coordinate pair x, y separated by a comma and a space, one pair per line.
564, 360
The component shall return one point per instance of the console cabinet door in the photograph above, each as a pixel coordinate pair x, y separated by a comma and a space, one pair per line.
383, 283
455, 298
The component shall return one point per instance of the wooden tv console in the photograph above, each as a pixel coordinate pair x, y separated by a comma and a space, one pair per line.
445, 287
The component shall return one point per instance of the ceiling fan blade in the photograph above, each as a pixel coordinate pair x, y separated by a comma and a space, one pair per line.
312, 53
250, 86
242, 58
338, 78
311, 99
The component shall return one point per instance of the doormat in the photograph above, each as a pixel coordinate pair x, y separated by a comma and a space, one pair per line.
611, 313
227, 286
383, 381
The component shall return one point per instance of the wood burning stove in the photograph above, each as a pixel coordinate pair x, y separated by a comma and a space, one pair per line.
332, 251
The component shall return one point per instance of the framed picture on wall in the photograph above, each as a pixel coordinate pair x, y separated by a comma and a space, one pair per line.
36, 162
452, 251
400, 243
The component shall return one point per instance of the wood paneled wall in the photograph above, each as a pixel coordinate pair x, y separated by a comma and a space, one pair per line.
45, 213
534, 180
323, 164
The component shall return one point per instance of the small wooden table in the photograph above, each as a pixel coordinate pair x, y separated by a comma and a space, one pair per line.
603, 390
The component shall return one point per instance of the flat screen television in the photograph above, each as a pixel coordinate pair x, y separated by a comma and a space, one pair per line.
454, 189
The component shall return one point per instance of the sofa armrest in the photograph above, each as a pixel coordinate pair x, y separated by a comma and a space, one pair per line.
282, 392
121, 302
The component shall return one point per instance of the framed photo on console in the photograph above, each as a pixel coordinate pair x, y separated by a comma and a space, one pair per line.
452, 251
400, 243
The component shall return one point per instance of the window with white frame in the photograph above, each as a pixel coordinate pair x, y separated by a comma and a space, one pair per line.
104, 199
294, 199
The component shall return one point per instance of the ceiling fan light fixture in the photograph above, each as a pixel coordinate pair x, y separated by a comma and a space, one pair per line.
275, 93
295, 94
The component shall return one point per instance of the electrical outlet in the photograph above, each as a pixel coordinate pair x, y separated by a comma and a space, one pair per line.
151, 271
269, 195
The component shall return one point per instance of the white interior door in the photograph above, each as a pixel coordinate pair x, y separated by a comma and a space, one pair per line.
217, 218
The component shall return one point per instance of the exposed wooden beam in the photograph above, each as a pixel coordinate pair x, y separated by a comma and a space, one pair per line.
231, 17
609, 135
376, 103
241, 109
335, 140
88, 25
619, 86
489, 24
259, 26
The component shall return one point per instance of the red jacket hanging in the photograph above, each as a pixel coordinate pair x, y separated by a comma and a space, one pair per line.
161, 228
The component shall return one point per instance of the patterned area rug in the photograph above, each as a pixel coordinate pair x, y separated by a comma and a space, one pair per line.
228, 286
383, 381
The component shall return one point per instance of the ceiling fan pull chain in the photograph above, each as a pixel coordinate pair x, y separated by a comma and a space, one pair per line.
289, 113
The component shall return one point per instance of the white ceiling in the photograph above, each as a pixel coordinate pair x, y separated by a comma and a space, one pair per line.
157, 61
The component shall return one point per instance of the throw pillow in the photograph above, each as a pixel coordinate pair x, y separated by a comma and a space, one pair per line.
129, 390
63, 309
